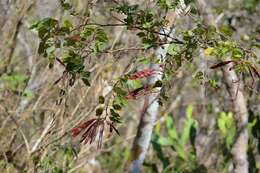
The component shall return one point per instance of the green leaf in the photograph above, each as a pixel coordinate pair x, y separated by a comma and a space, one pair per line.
147, 45
101, 35
144, 61
227, 126
189, 111
163, 141
119, 91
74, 63
173, 49
41, 48
213, 83
99, 111
115, 117
28, 95
188, 123
117, 107
134, 84
85, 77
87, 32
34, 25
141, 34
237, 53
50, 49
51, 59
99, 46
14, 80
66, 6
157, 84
222, 123
199, 30
225, 29
114, 113
101, 100
63, 31
170, 128
180, 150
209, 51
121, 100
43, 33
167, 4
48, 23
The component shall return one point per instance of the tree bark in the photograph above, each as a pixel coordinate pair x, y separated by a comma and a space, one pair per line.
150, 110
235, 89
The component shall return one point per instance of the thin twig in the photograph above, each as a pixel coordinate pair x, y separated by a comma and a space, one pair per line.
44, 132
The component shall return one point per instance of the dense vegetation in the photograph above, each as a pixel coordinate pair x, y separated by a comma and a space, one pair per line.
130, 86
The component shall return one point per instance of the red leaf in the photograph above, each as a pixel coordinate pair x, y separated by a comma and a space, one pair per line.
87, 133
75, 132
93, 133
78, 129
142, 74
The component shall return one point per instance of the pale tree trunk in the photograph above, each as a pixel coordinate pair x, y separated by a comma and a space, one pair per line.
235, 89
150, 109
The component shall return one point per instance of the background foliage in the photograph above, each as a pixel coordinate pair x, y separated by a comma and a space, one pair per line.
71, 65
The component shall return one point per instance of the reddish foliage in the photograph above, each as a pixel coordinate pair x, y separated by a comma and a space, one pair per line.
77, 130
91, 128
142, 74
